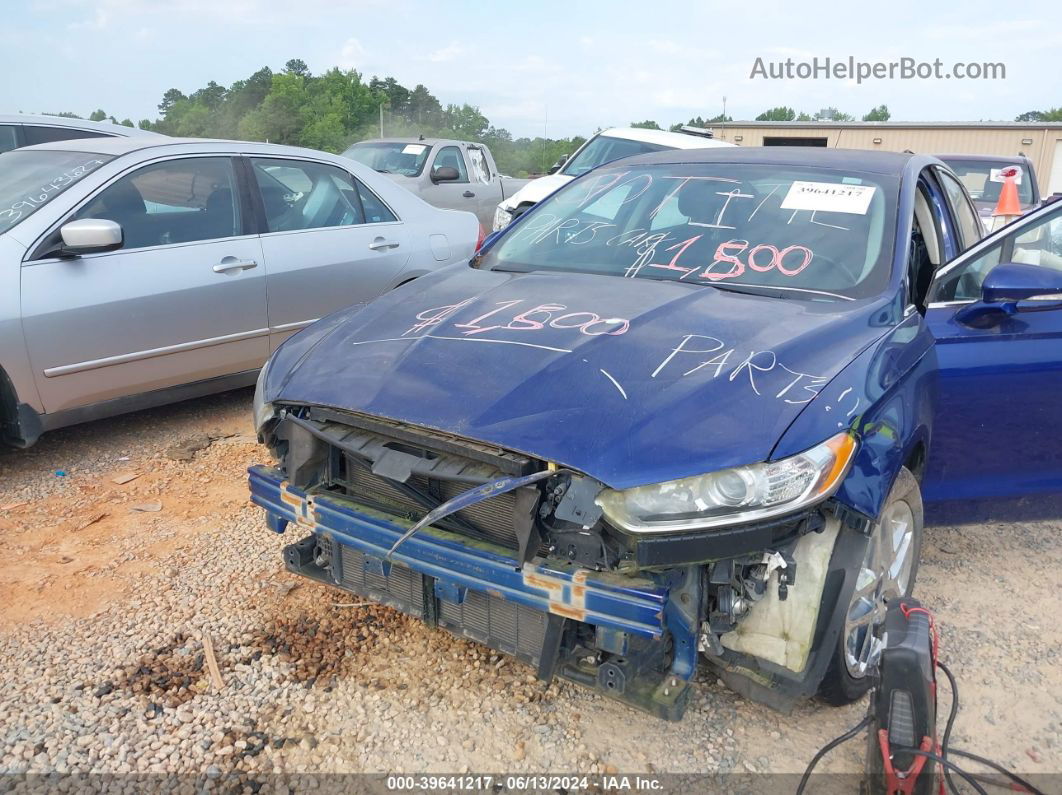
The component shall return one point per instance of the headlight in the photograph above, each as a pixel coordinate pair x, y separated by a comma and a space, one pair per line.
731, 496
263, 412
502, 217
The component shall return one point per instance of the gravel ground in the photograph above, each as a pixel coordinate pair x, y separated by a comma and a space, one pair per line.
108, 590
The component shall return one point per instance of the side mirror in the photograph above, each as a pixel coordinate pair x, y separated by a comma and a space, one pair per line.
1013, 282
559, 164
444, 174
90, 235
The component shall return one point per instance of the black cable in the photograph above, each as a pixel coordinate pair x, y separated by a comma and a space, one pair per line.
945, 749
999, 769
951, 722
848, 735
940, 760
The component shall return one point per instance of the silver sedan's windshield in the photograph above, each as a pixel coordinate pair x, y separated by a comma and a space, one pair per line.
782, 230
32, 178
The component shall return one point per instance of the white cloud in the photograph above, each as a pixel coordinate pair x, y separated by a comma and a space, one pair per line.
352, 54
790, 52
447, 53
676, 50
531, 63
100, 18
997, 31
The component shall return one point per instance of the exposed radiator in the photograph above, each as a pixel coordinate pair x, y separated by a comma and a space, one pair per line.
402, 588
494, 517
506, 626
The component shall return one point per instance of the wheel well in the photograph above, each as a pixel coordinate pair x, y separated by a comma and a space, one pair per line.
8, 407
20, 425
916, 461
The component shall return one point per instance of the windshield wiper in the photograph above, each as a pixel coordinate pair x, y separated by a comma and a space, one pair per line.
382, 171
764, 291
510, 269
726, 288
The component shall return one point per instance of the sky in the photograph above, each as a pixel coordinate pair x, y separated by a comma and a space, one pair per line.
566, 68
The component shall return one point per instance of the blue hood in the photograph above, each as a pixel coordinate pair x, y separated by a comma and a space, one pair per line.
631, 381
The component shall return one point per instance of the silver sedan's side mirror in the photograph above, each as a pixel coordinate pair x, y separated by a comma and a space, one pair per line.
90, 235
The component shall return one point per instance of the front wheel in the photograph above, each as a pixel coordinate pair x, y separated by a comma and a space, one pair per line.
888, 572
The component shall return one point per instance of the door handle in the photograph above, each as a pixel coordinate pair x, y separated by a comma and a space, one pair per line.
232, 265
469, 194
379, 244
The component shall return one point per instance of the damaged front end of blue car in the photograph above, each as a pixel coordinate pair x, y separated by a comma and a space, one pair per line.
612, 461
529, 558
355, 487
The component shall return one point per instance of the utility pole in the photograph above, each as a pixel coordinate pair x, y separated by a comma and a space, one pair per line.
381, 120
722, 124
545, 126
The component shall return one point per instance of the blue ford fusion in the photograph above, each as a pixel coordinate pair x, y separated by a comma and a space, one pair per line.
693, 406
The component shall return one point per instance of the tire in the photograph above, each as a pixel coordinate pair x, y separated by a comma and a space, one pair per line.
849, 674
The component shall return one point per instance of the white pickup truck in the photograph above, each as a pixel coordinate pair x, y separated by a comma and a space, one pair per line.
458, 175
606, 146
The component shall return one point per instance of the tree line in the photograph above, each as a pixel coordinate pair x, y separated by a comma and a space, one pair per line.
780, 113
332, 110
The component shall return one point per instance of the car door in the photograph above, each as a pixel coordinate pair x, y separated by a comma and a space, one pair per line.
329, 242
995, 450
458, 194
182, 300
484, 183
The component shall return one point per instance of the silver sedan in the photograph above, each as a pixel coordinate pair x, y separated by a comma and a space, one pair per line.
139, 271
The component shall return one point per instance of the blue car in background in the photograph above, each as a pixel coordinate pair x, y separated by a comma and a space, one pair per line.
695, 404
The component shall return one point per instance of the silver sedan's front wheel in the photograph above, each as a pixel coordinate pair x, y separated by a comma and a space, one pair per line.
887, 573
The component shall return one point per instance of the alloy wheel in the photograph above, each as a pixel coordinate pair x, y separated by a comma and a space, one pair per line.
885, 575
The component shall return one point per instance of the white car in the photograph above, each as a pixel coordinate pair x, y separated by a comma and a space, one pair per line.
606, 146
138, 271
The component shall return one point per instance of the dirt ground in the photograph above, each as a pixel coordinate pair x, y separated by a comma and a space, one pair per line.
124, 542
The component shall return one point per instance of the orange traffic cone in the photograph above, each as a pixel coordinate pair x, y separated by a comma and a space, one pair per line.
1008, 207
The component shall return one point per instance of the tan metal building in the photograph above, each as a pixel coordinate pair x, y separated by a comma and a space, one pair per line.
1041, 143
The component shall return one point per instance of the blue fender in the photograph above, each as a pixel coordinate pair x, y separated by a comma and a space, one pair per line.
886, 396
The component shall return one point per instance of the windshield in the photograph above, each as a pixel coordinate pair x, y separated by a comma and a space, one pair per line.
604, 149
777, 230
391, 157
984, 181
33, 178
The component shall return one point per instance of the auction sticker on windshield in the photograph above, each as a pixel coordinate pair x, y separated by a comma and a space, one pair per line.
999, 174
413, 149
829, 197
